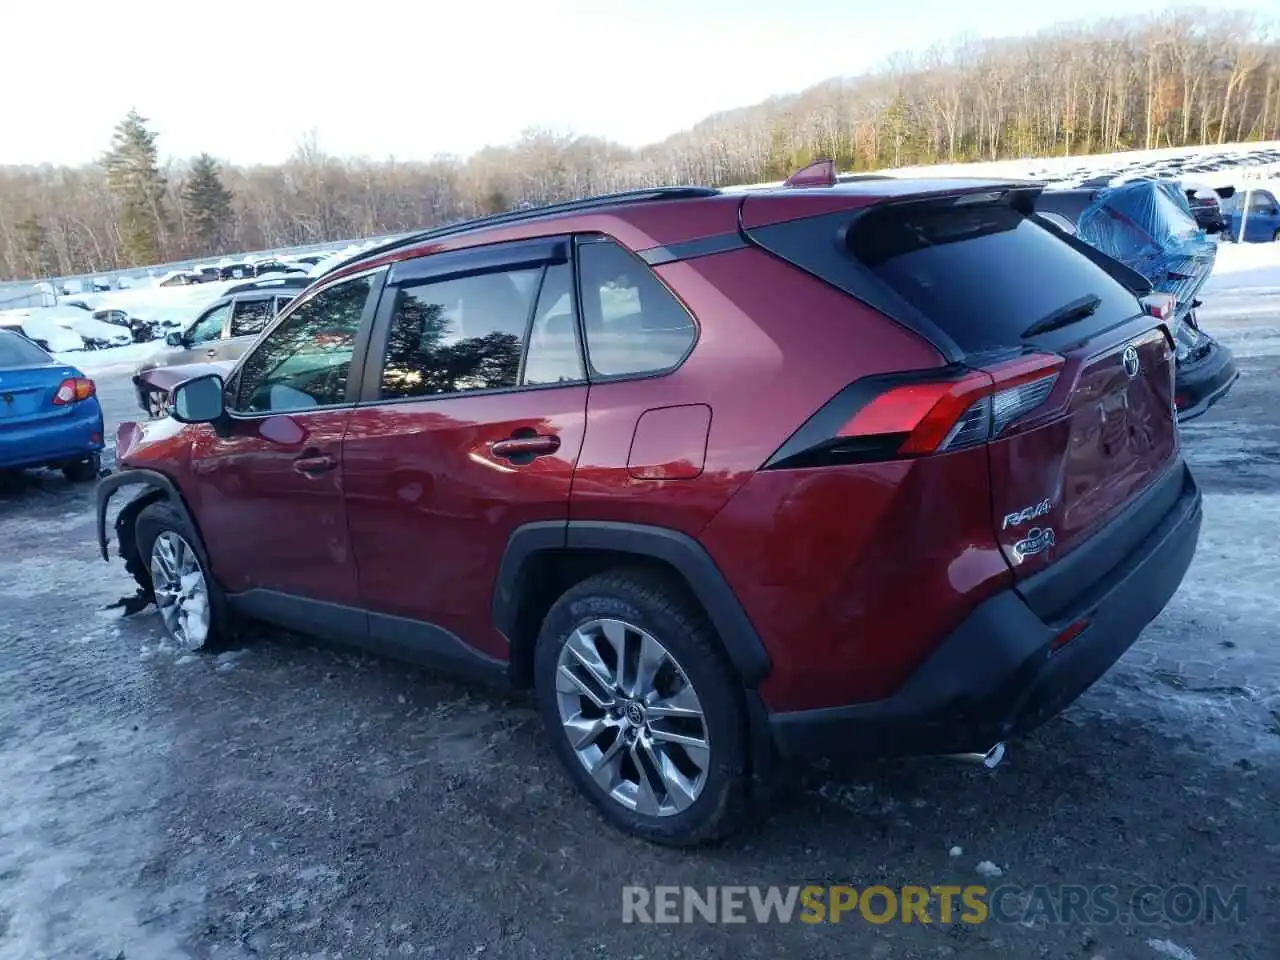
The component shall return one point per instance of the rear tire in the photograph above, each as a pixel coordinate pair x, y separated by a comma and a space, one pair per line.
83, 471
664, 728
192, 606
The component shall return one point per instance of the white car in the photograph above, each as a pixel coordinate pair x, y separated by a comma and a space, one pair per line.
95, 334
50, 335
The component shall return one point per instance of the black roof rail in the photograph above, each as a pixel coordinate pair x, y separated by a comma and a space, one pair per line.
643, 195
269, 283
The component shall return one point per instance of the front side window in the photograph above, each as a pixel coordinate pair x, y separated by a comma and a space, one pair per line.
282, 302
634, 325
250, 317
209, 327
306, 360
459, 334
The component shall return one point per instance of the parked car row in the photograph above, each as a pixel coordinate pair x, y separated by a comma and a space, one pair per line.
597, 456
1147, 226
65, 328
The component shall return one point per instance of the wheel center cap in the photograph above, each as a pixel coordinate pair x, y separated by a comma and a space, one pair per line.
635, 714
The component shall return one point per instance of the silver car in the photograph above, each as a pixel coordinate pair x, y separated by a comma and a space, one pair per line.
222, 332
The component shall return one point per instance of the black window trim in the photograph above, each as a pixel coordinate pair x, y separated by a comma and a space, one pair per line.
501, 257
594, 376
359, 350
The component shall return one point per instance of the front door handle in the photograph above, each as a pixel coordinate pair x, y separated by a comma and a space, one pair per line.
212, 352
526, 447
316, 464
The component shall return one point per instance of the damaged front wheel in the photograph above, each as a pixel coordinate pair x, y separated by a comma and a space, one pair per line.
189, 601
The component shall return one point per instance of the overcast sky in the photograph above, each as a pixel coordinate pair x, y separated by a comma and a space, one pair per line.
246, 80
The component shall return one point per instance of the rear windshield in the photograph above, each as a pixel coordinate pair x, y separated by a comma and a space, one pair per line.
18, 352
984, 273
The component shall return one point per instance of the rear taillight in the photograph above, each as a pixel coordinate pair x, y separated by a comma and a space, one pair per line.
73, 389
1162, 306
907, 416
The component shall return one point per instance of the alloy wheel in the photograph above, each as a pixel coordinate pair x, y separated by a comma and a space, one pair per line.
632, 717
181, 592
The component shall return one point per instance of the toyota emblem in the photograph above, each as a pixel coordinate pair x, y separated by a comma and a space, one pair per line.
1131, 362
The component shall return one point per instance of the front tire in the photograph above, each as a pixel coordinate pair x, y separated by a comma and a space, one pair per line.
643, 708
191, 604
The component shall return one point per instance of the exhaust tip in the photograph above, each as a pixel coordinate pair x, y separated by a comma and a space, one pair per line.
991, 759
993, 756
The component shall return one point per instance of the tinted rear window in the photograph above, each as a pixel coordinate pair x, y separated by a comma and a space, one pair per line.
17, 352
983, 273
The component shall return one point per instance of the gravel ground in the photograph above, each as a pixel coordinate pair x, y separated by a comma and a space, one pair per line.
290, 801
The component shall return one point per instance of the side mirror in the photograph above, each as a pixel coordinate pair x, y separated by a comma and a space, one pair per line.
198, 400
174, 339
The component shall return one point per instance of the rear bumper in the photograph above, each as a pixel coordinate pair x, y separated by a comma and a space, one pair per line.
997, 675
63, 439
1202, 384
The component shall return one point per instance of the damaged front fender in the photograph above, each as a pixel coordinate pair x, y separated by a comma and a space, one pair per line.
108, 487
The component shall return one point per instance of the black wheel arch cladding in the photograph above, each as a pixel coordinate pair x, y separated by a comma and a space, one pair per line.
682, 553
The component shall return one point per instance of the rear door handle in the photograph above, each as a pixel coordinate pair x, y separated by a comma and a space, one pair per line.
316, 464
536, 446
211, 352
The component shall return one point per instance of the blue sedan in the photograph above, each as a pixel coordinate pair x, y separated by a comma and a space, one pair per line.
49, 412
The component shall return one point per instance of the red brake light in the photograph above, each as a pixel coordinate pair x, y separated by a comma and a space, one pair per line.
949, 414
925, 412
913, 416
1159, 305
72, 390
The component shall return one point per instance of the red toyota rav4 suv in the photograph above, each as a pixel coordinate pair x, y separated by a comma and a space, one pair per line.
878, 467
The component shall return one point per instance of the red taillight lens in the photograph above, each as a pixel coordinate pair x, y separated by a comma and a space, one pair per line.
948, 415
73, 389
913, 416
1159, 305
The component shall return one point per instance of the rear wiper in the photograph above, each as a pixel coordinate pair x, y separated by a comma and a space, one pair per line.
1066, 314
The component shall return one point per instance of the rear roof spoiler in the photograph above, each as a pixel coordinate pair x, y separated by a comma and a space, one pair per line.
820, 173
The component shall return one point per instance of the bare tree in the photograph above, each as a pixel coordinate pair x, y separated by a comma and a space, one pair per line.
1184, 77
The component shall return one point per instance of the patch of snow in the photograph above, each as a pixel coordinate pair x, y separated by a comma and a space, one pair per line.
113, 359
1167, 948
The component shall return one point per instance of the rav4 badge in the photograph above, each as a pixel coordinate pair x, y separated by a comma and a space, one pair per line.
1019, 517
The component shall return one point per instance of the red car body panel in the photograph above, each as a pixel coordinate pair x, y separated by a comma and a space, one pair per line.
773, 346
430, 507
250, 482
891, 557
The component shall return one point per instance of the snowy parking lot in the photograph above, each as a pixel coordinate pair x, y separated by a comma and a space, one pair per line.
285, 800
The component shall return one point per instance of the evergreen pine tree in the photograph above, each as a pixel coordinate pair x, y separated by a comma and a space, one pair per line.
207, 204
134, 179
34, 250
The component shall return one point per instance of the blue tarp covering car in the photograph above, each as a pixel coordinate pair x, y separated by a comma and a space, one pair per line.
1148, 226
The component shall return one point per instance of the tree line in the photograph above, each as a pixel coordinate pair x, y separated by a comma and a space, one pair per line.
1180, 78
